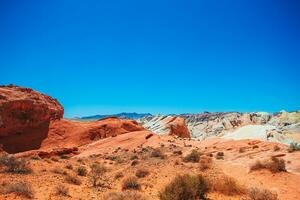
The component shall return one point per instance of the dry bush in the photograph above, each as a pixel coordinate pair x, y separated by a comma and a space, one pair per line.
261, 194
275, 165
97, 171
276, 148
177, 152
194, 156
14, 165
156, 153
131, 183
134, 163
58, 170
81, 171
126, 195
220, 155
225, 185
205, 163
185, 187
255, 146
141, 173
119, 175
20, 188
72, 179
69, 166
61, 190
242, 149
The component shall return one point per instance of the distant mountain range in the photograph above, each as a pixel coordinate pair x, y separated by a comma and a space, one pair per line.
119, 115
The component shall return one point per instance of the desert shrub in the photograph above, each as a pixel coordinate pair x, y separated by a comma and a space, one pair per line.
205, 163
119, 175
61, 190
274, 165
194, 156
134, 157
20, 188
54, 159
276, 148
72, 179
156, 153
225, 185
242, 149
64, 156
185, 187
134, 162
131, 183
177, 152
14, 165
36, 157
220, 155
69, 166
141, 173
255, 146
125, 195
58, 170
97, 171
294, 147
261, 194
81, 171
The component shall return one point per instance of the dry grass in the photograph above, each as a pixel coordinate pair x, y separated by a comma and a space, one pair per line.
131, 183
58, 170
72, 179
185, 187
225, 185
61, 190
97, 172
126, 195
275, 165
194, 157
141, 173
14, 165
81, 171
261, 194
205, 163
23, 189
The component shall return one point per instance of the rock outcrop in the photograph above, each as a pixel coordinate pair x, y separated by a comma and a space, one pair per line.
25, 116
166, 125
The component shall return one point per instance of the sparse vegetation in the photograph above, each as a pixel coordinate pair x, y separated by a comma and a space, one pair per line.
274, 165
157, 154
220, 155
20, 188
125, 195
276, 148
205, 163
72, 179
61, 190
98, 170
141, 173
225, 185
194, 157
255, 146
69, 166
81, 171
14, 165
119, 175
185, 187
261, 194
242, 149
131, 183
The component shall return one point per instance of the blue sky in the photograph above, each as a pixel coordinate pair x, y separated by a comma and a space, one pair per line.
154, 56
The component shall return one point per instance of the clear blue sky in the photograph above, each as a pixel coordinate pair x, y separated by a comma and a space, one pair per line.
154, 56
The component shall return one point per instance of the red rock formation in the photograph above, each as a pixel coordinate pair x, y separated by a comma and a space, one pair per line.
24, 117
69, 133
178, 127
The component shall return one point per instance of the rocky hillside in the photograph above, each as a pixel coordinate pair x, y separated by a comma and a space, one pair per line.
280, 127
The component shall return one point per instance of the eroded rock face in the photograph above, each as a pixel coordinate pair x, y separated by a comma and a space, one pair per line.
25, 116
166, 125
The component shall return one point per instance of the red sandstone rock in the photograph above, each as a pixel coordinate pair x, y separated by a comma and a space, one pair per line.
24, 117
